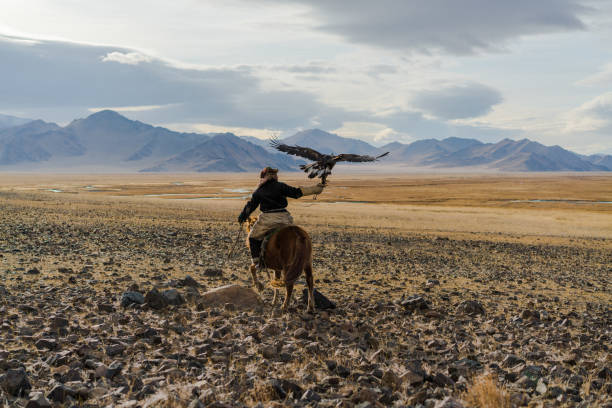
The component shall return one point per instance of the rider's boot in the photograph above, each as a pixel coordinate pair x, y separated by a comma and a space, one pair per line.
255, 246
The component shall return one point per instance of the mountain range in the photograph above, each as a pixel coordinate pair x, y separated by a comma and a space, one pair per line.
7, 121
109, 142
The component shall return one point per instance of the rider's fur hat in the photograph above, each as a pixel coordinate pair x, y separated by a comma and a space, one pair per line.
266, 171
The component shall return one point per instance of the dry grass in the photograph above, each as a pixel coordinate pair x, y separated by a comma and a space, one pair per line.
459, 206
486, 393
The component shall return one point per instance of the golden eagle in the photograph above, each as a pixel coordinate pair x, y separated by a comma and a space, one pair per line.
322, 163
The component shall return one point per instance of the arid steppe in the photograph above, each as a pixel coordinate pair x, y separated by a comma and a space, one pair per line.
480, 290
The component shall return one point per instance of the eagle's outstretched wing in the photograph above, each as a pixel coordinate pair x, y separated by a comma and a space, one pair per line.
305, 152
359, 158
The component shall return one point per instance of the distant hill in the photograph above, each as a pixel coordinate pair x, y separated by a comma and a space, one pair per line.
104, 139
225, 152
424, 152
37, 141
109, 142
110, 136
265, 143
601, 160
505, 155
7, 121
329, 143
521, 155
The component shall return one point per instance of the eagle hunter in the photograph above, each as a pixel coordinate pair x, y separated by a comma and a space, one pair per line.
322, 163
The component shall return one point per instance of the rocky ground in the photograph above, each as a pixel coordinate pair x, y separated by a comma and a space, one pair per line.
110, 306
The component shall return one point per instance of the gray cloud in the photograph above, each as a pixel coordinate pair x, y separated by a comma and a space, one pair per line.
456, 27
420, 127
51, 75
309, 69
376, 71
65, 79
458, 102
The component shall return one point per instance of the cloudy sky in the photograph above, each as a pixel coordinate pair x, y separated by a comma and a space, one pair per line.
379, 71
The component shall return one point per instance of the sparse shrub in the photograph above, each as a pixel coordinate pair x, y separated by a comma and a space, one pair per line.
486, 393
263, 392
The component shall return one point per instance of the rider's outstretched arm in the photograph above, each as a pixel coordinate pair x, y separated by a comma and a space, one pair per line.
309, 190
249, 207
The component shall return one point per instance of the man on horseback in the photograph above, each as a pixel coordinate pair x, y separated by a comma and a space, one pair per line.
271, 197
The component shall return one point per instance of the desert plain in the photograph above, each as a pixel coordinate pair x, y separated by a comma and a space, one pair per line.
449, 290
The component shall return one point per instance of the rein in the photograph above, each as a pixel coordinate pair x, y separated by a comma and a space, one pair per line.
231, 251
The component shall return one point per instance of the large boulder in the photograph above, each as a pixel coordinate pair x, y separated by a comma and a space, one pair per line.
239, 296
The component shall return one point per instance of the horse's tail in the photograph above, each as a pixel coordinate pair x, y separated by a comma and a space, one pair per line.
301, 255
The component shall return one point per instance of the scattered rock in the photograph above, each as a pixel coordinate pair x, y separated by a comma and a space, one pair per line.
269, 352
15, 382
470, 307
38, 400
115, 350
366, 394
284, 389
59, 394
391, 380
58, 322
113, 369
442, 380
189, 281
533, 372
530, 314
213, 273
449, 402
512, 360
300, 333
49, 344
129, 298
310, 396
173, 297
417, 398
155, 299
107, 307
554, 392
414, 303
604, 373
541, 388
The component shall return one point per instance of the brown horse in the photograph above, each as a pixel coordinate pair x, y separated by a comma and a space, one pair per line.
288, 252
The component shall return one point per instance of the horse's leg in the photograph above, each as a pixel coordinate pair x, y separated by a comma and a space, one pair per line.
289, 288
310, 283
277, 275
275, 298
256, 282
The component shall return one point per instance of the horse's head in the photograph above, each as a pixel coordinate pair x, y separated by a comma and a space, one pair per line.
248, 224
